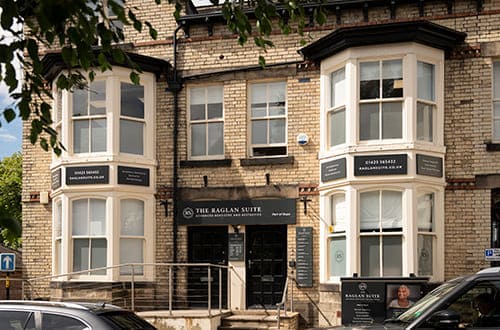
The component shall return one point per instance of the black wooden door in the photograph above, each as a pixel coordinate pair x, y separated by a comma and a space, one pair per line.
266, 265
207, 245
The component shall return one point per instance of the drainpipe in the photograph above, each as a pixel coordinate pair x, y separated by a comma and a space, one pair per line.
174, 86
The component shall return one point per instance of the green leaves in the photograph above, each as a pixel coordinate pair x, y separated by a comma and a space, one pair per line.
10, 200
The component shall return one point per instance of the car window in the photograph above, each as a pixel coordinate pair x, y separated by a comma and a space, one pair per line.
61, 322
478, 307
17, 320
126, 320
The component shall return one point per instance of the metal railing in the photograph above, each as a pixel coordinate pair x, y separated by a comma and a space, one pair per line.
140, 287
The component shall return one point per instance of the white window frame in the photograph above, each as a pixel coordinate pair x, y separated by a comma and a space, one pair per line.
337, 104
63, 263
495, 130
113, 81
429, 103
206, 121
267, 118
336, 231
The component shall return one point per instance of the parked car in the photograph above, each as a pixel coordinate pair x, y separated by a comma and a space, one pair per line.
49, 315
466, 302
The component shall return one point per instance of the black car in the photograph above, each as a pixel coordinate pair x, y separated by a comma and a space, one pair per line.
48, 315
466, 302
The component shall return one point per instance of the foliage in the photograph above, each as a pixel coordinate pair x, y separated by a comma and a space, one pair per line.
76, 26
10, 200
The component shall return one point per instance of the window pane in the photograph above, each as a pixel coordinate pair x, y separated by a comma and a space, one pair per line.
132, 100
55, 322
97, 217
197, 95
198, 142
131, 251
132, 217
79, 216
369, 211
97, 98
496, 128
425, 253
496, 79
277, 132
214, 110
215, 138
80, 136
338, 211
259, 110
392, 202
424, 122
98, 135
425, 212
392, 120
425, 72
131, 137
197, 112
370, 256
496, 109
336, 120
58, 219
13, 320
392, 256
98, 254
369, 84
338, 91
392, 78
214, 95
369, 121
337, 256
259, 132
277, 98
80, 254
80, 106
259, 93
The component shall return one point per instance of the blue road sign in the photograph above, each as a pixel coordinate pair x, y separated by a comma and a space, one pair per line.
7, 262
492, 254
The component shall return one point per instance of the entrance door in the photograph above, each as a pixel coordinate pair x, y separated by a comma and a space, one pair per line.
207, 245
266, 265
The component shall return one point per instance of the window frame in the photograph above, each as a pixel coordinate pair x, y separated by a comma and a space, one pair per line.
251, 119
333, 234
431, 103
206, 122
495, 136
333, 108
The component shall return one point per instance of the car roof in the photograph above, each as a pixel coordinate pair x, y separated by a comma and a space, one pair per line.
42, 304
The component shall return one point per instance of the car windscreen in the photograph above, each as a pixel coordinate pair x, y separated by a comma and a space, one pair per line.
126, 320
427, 301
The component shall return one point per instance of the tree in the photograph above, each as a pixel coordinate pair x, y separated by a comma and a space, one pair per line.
10, 200
76, 26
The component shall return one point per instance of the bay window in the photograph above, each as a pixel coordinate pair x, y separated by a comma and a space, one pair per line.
426, 234
336, 112
131, 235
268, 119
337, 236
380, 93
381, 225
206, 120
496, 101
132, 118
58, 235
426, 101
89, 235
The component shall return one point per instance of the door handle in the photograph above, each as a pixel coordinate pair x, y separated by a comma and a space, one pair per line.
250, 263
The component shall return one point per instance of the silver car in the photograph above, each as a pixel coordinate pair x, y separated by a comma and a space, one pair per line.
49, 315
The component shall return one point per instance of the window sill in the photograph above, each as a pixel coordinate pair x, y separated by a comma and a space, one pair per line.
206, 163
492, 146
267, 161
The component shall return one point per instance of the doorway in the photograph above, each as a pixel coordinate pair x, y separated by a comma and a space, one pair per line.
266, 265
207, 244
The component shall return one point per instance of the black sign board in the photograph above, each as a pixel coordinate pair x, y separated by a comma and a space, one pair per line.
87, 175
429, 165
380, 165
304, 262
236, 247
56, 179
234, 212
133, 175
367, 300
333, 170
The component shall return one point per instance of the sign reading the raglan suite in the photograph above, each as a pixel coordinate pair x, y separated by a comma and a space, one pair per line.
245, 212
430, 166
133, 175
333, 170
363, 302
87, 175
380, 165
55, 178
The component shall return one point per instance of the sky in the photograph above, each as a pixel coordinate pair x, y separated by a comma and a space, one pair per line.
10, 133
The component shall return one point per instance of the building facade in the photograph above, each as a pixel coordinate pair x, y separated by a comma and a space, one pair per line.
371, 151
